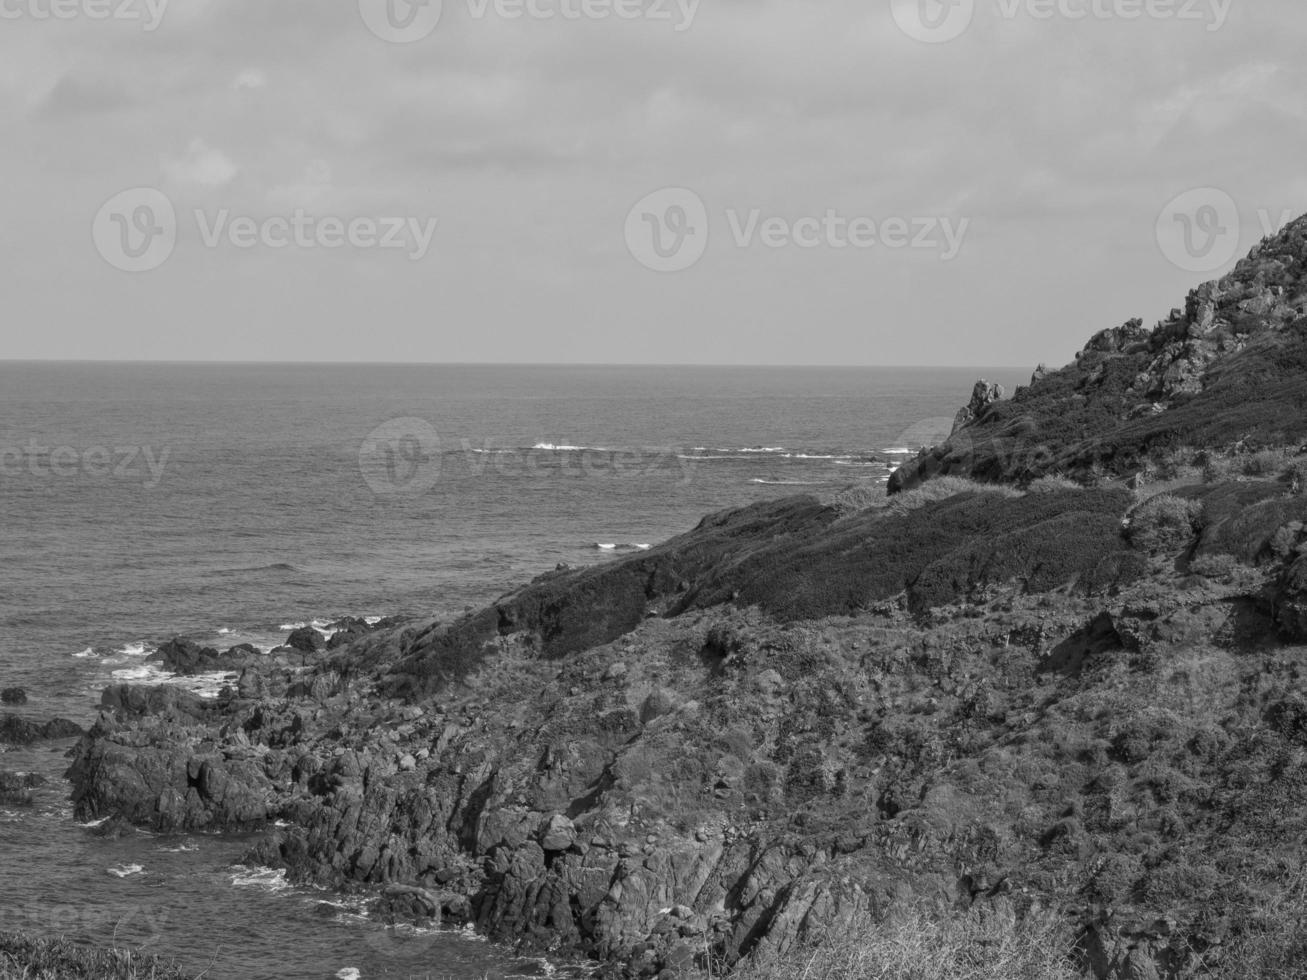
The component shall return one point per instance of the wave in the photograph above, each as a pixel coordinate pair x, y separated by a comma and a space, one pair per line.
752, 450
126, 870
622, 547
187, 848
790, 483
348, 973
280, 566
91, 824
86, 654
267, 879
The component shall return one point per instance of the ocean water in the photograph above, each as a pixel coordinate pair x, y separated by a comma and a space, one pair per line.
230, 503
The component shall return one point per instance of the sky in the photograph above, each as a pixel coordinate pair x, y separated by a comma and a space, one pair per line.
851, 182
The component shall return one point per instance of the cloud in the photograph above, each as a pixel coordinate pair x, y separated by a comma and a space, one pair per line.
249, 79
201, 166
73, 96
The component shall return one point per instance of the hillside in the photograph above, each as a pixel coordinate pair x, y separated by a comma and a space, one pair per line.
1228, 370
1005, 726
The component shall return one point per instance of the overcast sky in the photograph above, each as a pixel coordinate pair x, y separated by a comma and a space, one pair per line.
856, 181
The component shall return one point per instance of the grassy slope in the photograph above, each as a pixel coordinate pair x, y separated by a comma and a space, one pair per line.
26, 958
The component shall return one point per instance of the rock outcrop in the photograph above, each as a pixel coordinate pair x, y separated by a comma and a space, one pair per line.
21, 731
1230, 367
801, 716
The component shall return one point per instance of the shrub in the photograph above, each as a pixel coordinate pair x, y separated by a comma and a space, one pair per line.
1165, 524
1216, 469
984, 943
860, 497
1268, 462
1218, 568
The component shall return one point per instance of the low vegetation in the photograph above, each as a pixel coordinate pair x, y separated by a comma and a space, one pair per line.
25, 958
921, 943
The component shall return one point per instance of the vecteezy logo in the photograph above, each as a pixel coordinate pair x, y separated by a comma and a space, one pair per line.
933, 21
401, 457
1199, 230
136, 231
667, 231
401, 21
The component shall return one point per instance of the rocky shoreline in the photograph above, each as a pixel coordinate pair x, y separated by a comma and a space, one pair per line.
1032, 695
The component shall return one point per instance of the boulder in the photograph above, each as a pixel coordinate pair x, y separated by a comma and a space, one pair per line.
559, 834
306, 640
13, 695
16, 787
188, 658
20, 731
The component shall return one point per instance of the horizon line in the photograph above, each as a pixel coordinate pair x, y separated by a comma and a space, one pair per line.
282, 362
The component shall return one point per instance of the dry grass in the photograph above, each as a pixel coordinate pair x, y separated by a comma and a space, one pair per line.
987, 943
23, 958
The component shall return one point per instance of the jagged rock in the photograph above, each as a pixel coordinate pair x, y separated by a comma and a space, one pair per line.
306, 640
187, 658
984, 395
559, 834
1228, 369
20, 731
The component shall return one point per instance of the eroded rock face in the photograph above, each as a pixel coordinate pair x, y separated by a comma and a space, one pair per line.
1230, 366
984, 395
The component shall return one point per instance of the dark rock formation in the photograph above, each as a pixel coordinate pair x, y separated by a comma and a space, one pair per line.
797, 716
13, 695
16, 787
1231, 367
188, 659
306, 639
20, 731
984, 395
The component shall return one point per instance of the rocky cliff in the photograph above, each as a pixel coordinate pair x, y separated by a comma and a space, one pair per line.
1229, 368
803, 714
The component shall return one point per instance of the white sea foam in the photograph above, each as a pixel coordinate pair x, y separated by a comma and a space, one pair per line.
268, 879
789, 483
126, 870
550, 447
225, 631
145, 672
86, 654
348, 973
138, 649
186, 848
372, 620
93, 823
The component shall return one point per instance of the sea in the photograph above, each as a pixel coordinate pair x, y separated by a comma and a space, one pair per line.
232, 503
